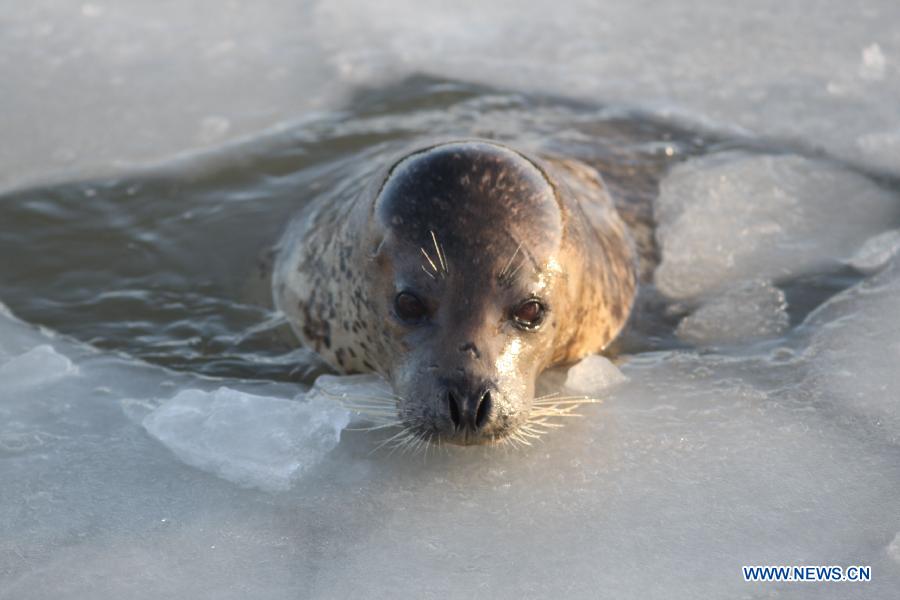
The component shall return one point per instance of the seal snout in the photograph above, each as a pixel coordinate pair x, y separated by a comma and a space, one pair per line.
469, 412
469, 408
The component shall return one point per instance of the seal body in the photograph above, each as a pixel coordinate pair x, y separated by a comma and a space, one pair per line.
463, 272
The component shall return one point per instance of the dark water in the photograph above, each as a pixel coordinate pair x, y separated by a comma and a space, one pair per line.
170, 266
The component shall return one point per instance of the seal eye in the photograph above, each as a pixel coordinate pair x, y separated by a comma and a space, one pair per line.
409, 307
529, 314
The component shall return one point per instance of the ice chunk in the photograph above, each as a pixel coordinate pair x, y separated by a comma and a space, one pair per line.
733, 217
854, 350
876, 252
753, 310
39, 366
593, 375
254, 441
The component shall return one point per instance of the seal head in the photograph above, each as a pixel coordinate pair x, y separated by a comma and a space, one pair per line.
471, 265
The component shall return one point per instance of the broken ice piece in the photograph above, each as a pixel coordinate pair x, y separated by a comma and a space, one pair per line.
754, 310
39, 366
876, 252
593, 375
254, 441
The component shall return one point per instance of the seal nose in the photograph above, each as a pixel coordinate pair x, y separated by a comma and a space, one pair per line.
469, 411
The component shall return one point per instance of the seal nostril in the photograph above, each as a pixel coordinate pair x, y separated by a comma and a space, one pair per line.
471, 348
454, 408
484, 410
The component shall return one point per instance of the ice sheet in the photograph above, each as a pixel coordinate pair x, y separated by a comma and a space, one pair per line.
776, 70
145, 80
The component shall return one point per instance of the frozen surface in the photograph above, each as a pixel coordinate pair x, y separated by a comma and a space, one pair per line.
881, 150
855, 349
729, 218
894, 549
876, 252
146, 79
826, 74
750, 311
251, 440
143, 80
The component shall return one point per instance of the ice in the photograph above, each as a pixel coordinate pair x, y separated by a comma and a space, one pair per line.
876, 252
874, 64
146, 80
824, 74
728, 218
38, 366
252, 440
881, 150
750, 311
854, 350
893, 548
593, 375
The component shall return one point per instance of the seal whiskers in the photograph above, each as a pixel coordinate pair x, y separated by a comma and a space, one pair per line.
505, 277
440, 252
382, 411
430, 262
546, 408
438, 269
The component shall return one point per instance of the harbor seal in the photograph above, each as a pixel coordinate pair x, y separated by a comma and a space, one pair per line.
463, 272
